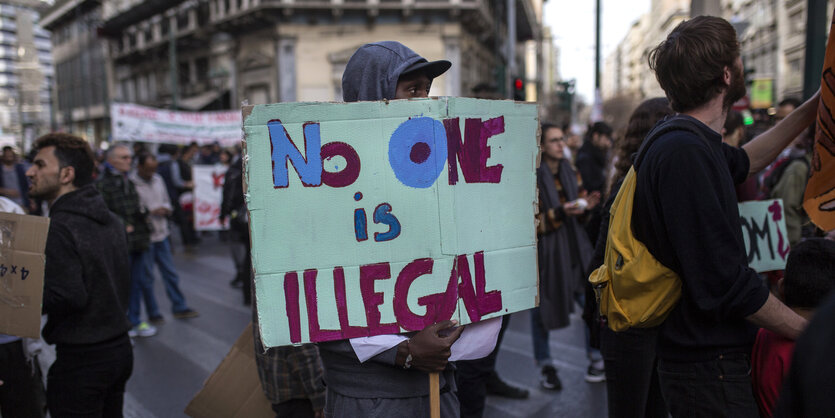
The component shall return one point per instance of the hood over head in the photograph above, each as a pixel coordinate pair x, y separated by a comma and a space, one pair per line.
84, 201
373, 70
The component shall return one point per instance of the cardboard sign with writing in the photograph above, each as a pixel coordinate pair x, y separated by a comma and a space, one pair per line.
22, 245
764, 232
819, 197
384, 217
208, 193
233, 390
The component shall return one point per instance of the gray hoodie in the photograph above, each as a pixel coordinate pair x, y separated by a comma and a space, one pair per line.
373, 71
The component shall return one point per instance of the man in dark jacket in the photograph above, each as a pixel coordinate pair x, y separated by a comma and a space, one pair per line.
685, 212
592, 163
86, 283
121, 198
593, 156
232, 206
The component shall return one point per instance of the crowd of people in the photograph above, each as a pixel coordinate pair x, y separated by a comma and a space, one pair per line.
94, 295
725, 349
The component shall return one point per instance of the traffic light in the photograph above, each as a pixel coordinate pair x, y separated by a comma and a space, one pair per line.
518, 89
565, 94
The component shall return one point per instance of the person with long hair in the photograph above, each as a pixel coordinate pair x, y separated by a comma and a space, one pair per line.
564, 250
629, 356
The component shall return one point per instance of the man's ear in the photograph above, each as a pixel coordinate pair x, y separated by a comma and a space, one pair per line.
67, 175
727, 75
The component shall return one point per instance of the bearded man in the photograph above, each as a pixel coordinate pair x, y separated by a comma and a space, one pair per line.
685, 212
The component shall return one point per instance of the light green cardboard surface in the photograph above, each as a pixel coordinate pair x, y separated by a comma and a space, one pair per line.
764, 232
298, 228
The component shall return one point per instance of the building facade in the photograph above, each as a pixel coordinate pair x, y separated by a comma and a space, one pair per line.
216, 54
81, 105
772, 36
627, 73
26, 73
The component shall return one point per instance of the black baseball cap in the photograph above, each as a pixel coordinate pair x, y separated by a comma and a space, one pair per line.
432, 69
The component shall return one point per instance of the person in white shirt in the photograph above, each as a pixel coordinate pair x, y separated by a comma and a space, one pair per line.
154, 197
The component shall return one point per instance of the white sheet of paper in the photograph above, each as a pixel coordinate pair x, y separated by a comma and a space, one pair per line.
477, 341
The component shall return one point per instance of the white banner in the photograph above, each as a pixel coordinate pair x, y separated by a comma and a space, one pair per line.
208, 193
131, 122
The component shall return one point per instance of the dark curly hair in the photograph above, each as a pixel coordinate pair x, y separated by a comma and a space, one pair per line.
71, 151
808, 278
640, 123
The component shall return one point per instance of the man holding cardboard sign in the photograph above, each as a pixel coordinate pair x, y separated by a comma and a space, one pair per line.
368, 76
86, 283
450, 238
21, 386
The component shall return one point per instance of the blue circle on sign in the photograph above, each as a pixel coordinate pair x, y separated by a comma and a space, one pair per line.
418, 151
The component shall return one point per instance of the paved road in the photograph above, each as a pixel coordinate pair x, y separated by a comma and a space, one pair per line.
171, 367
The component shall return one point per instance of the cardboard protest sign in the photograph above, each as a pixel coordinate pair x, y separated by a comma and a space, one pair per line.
208, 194
383, 217
233, 390
764, 232
22, 245
819, 198
132, 122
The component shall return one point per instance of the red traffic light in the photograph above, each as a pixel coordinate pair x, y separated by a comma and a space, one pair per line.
518, 84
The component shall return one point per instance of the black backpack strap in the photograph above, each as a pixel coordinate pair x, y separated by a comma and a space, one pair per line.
675, 123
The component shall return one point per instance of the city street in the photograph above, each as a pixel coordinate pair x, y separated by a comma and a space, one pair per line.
171, 367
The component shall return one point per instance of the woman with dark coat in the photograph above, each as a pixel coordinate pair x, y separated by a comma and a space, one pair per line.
563, 247
631, 377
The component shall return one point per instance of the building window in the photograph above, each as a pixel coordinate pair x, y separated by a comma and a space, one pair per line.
797, 24
165, 27
795, 76
142, 88
182, 21
202, 68
147, 35
152, 87
259, 94
183, 73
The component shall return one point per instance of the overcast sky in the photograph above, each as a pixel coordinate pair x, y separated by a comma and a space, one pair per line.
572, 25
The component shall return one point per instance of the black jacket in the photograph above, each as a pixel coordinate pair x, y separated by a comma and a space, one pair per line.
685, 211
233, 189
591, 163
121, 198
87, 274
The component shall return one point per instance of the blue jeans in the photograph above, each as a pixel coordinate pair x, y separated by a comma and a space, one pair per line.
141, 288
541, 349
160, 254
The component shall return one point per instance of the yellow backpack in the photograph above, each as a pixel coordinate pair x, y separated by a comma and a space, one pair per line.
634, 289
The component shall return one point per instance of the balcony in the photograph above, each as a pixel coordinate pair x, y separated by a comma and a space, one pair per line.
136, 33
230, 15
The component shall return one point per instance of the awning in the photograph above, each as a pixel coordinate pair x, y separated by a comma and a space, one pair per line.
201, 100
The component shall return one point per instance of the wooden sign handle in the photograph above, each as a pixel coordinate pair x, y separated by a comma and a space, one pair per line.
435, 395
